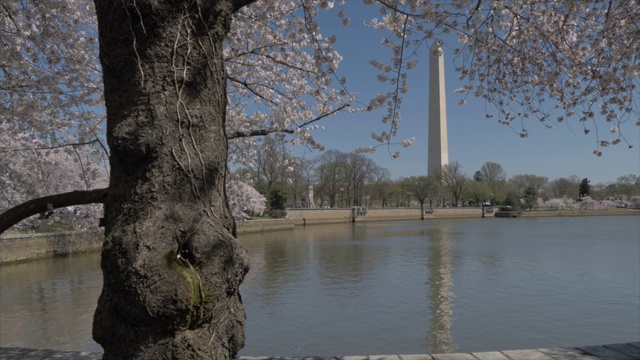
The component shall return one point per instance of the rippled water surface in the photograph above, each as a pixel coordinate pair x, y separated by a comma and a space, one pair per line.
386, 287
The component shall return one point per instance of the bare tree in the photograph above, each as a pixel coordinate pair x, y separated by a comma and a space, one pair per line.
563, 187
453, 179
421, 188
495, 178
330, 175
360, 171
519, 183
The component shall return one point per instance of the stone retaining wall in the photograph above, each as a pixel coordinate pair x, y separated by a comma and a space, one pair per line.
319, 216
37, 246
34, 246
253, 226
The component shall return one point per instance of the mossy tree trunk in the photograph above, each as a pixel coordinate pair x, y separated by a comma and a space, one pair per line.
171, 264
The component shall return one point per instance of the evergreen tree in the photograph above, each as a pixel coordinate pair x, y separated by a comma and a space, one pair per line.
585, 189
277, 199
530, 197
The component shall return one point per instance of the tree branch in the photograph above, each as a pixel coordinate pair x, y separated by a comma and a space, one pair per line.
3, 149
264, 132
36, 206
258, 132
249, 87
239, 4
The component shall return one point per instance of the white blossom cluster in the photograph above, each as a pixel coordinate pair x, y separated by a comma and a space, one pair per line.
244, 200
51, 81
282, 75
587, 202
35, 173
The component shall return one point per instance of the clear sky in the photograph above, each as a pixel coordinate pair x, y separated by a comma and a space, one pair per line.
561, 151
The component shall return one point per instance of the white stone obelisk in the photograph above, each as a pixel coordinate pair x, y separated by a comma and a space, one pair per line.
312, 203
438, 154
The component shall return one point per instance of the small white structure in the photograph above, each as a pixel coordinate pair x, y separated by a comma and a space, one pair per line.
311, 203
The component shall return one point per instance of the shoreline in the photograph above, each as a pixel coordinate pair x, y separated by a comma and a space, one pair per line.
24, 247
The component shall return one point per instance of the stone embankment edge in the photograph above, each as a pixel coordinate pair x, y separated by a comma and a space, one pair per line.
326, 216
35, 246
253, 226
41, 246
622, 351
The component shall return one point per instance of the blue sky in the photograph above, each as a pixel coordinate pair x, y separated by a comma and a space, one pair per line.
561, 151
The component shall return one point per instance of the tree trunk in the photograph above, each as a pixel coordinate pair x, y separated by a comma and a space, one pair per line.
171, 264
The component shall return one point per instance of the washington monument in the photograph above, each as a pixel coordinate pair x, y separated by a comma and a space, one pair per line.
438, 146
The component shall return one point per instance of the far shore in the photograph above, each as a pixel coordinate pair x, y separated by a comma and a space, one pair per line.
312, 216
561, 213
17, 246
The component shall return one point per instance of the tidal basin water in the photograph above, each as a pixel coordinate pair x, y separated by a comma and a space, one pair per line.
387, 287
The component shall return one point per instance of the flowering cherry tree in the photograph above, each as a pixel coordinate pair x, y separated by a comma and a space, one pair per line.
51, 84
554, 204
281, 74
32, 170
187, 84
244, 199
38, 172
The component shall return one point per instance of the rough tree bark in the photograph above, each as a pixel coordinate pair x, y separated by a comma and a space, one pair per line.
171, 264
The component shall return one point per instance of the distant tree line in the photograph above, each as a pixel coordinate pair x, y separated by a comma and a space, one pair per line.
351, 179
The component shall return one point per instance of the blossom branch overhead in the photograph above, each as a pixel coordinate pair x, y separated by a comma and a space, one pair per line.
554, 61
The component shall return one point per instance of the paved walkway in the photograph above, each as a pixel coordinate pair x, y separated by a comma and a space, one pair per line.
629, 351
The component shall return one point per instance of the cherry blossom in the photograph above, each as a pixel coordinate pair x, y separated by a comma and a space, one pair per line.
51, 82
39, 172
282, 74
244, 200
42, 171
552, 60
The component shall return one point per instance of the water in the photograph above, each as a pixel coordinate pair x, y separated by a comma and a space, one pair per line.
387, 287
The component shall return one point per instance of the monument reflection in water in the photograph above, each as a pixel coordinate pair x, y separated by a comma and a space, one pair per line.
386, 288
440, 281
